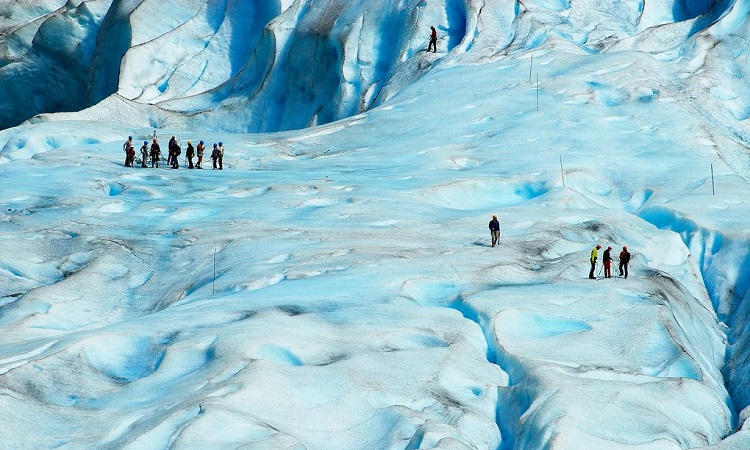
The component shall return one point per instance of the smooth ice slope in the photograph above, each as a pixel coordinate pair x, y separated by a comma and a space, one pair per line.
354, 302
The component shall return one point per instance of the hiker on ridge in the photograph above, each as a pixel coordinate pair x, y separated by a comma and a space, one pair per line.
433, 40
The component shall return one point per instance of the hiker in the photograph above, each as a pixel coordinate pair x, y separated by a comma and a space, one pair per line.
594, 254
221, 155
130, 156
189, 153
433, 40
126, 148
200, 149
155, 154
144, 154
608, 262
176, 152
171, 148
215, 154
624, 260
494, 230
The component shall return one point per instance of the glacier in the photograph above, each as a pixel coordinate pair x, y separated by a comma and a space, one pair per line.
334, 287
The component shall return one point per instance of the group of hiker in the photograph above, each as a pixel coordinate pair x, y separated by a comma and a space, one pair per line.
152, 153
607, 259
494, 227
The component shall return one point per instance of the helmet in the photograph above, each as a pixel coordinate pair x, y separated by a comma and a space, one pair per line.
494, 216
145, 142
130, 138
190, 143
221, 143
214, 144
201, 142
598, 246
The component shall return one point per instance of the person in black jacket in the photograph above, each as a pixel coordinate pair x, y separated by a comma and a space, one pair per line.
608, 262
155, 154
189, 153
624, 260
433, 40
171, 150
494, 230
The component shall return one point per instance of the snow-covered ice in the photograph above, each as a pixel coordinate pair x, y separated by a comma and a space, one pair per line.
334, 286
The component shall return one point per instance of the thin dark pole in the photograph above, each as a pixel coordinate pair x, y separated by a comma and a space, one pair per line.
562, 172
713, 187
531, 67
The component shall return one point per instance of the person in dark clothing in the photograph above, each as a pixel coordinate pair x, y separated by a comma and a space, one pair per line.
624, 260
126, 148
176, 152
189, 153
200, 149
608, 262
494, 230
433, 41
220, 156
155, 154
594, 255
144, 154
171, 149
215, 154
130, 156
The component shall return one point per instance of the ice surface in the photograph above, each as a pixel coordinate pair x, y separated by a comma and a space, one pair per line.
334, 287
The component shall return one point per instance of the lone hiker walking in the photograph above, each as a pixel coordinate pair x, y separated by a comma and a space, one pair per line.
494, 230
433, 40
594, 255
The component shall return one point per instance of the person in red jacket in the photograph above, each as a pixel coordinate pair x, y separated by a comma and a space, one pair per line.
433, 41
624, 260
200, 150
